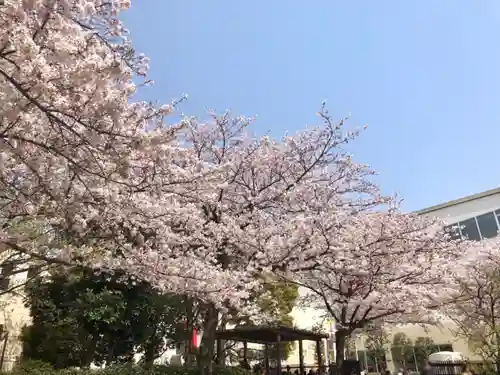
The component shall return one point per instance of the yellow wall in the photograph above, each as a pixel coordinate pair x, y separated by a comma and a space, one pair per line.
13, 316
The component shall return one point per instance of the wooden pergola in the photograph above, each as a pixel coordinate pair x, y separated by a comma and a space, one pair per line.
267, 336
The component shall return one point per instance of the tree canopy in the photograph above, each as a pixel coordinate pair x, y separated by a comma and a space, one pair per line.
93, 177
81, 317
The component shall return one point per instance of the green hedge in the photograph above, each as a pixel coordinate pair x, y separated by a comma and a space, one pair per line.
41, 368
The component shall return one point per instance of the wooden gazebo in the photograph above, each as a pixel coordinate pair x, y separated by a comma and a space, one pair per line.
270, 335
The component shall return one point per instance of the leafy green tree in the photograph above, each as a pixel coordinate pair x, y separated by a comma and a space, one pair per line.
424, 346
276, 300
279, 302
402, 350
62, 344
80, 317
376, 340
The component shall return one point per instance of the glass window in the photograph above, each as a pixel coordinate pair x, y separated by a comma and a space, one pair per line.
497, 212
453, 230
487, 225
33, 271
469, 229
7, 269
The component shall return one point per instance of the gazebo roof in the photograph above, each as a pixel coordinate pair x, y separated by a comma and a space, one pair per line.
268, 335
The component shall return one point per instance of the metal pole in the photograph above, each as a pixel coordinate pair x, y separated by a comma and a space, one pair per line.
220, 352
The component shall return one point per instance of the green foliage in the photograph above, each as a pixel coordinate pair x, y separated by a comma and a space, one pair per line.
375, 343
33, 367
41, 368
80, 317
424, 346
279, 298
278, 301
402, 349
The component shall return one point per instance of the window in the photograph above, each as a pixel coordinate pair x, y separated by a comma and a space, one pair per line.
7, 269
497, 214
32, 272
454, 231
470, 230
487, 225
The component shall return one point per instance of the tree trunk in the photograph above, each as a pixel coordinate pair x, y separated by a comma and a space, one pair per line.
497, 337
110, 357
149, 355
90, 350
189, 350
340, 343
208, 340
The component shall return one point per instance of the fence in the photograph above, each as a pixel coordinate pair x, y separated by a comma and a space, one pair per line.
447, 368
456, 368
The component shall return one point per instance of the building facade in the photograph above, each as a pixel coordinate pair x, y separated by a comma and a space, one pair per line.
13, 315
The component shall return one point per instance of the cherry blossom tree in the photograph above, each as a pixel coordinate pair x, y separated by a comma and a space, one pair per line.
94, 176
475, 305
378, 267
257, 211
89, 173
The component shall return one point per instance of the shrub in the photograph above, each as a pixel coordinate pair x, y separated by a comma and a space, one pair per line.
42, 368
33, 367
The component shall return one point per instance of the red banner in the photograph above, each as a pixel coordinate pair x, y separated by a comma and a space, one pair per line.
194, 339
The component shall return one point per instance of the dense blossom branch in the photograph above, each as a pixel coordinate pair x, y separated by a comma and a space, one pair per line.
474, 306
380, 267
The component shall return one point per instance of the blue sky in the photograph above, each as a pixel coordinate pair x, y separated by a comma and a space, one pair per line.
424, 75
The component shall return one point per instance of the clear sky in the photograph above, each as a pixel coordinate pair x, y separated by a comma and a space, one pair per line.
424, 75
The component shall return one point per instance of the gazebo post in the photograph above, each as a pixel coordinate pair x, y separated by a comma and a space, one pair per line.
245, 351
318, 353
221, 360
266, 358
301, 357
278, 354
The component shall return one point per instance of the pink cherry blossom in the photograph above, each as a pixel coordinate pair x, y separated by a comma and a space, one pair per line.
474, 306
377, 267
89, 174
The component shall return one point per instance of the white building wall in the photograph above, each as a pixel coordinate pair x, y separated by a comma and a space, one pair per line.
305, 318
466, 210
13, 317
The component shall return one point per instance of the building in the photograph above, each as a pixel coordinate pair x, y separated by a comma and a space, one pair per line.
13, 315
477, 217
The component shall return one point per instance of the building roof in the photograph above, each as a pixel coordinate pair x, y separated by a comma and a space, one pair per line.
459, 201
268, 335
